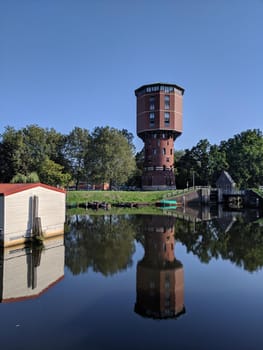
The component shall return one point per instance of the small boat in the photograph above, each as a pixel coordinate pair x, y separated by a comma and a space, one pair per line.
167, 203
169, 207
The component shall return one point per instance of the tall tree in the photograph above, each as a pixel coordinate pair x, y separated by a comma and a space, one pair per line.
200, 167
76, 151
8, 145
193, 166
35, 147
110, 158
244, 157
217, 163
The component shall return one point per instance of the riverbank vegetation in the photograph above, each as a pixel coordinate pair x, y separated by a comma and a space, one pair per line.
114, 197
107, 155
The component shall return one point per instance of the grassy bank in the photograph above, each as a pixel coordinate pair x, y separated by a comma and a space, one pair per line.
75, 197
148, 210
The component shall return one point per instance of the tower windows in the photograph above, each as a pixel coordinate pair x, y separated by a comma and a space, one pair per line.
152, 104
167, 118
152, 118
167, 102
164, 151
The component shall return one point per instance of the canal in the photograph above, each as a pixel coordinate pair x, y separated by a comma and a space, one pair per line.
137, 282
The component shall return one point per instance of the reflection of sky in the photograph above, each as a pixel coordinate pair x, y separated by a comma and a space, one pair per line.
223, 303
226, 296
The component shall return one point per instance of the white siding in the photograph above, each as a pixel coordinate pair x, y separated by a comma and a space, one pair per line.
18, 212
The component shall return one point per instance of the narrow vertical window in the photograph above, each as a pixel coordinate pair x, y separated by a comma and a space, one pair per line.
167, 118
152, 103
152, 117
167, 102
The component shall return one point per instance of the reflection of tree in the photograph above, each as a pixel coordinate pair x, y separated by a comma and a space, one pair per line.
242, 243
105, 243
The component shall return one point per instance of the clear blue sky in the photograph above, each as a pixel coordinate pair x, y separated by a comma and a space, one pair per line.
67, 63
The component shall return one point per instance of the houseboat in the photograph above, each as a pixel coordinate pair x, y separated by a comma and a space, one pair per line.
30, 210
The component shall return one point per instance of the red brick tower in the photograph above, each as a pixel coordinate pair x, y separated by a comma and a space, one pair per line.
159, 123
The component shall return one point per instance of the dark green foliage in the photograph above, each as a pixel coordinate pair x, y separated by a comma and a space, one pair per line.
241, 156
20, 178
244, 155
107, 155
76, 150
110, 157
24, 151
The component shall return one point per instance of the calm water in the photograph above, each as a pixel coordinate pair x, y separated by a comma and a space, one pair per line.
137, 282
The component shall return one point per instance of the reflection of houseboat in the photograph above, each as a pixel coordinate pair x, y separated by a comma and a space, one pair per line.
28, 271
27, 209
160, 276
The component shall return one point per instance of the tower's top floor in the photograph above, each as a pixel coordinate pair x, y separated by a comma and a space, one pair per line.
157, 87
159, 109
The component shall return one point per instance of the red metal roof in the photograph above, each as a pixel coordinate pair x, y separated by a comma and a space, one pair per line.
7, 189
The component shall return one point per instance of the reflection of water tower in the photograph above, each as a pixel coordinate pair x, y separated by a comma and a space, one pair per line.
159, 123
160, 280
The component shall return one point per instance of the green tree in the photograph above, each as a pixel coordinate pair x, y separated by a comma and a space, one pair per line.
33, 177
35, 147
75, 152
135, 179
217, 163
200, 168
56, 142
129, 136
53, 174
24, 150
110, 157
244, 157
21, 178
9, 145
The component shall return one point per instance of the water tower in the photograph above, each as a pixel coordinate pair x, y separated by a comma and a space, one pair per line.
159, 123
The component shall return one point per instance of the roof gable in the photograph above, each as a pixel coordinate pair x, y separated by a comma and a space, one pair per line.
7, 189
225, 178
